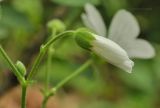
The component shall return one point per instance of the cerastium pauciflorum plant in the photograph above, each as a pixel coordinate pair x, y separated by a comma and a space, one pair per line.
99, 45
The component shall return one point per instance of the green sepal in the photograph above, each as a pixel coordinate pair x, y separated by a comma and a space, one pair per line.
84, 38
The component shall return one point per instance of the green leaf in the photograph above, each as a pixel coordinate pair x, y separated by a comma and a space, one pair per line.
76, 3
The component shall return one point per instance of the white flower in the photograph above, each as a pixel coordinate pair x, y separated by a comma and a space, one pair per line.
124, 30
105, 48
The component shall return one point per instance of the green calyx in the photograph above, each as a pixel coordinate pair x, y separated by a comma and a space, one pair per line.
21, 68
84, 38
56, 25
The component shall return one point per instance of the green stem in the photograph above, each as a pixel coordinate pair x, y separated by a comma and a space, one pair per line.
64, 81
13, 67
73, 75
47, 74
46, 98
43, 50
44, 103
36, 63
66, 33
23, 98
49, 61
48, 67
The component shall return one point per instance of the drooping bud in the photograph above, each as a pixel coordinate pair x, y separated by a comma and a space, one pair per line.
56, 25
21, 68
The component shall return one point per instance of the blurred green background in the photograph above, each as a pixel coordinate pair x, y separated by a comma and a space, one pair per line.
23, 29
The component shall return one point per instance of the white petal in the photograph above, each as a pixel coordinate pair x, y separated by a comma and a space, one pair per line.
87, 22
127, 65
124, 30
112, 52
124, 26
95, 19
139, 48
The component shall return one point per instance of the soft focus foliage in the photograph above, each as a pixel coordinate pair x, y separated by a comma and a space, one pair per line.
23, 28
